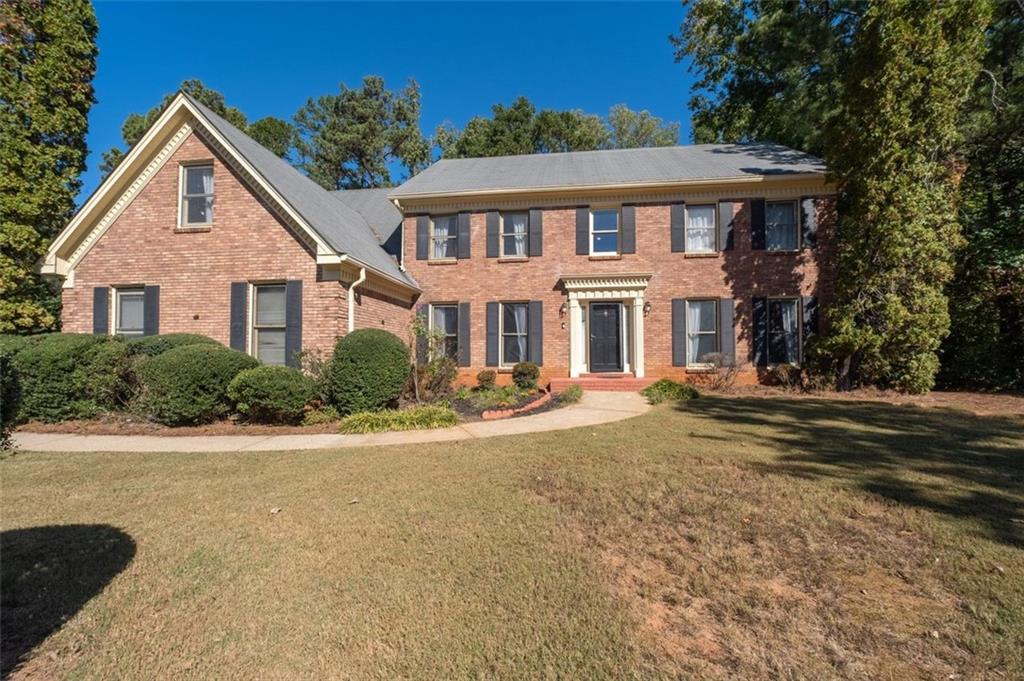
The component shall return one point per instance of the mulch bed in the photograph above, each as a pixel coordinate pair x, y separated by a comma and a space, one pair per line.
125, 424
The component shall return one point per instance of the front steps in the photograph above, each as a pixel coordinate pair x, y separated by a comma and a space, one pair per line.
603, 382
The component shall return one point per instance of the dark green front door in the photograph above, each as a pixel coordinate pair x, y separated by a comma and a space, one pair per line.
605, 337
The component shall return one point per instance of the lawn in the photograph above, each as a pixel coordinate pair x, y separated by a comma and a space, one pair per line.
720, 538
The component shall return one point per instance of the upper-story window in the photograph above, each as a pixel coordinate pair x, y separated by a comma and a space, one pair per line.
443, 237
700, 228
196, 194
514, 230
604, 231
781, 226
128, 311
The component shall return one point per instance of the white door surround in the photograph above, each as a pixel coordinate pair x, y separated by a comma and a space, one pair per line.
625, 288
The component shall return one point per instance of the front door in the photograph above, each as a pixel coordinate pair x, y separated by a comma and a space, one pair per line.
605, 337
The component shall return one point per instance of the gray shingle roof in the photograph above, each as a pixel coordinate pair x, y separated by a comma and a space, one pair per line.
343, 228
613, 166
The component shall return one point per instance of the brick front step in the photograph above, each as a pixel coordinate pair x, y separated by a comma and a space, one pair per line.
606, 382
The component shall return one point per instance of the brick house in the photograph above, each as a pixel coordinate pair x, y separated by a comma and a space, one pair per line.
633, 264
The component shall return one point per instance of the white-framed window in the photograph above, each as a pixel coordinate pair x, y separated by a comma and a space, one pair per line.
513, 333
701, 228
783, 330
701, 330
129, 306
514, 234
196, 194
781, 226
444, 233
604, 231
444, 321
268, 323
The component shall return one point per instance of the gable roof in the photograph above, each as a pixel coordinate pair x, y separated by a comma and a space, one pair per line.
375, 207
591, 169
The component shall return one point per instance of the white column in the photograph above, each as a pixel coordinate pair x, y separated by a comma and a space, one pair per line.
638, 335
576, 356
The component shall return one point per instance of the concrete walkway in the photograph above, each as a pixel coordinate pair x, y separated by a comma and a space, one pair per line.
595, 408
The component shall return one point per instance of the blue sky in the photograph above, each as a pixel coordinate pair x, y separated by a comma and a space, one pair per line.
268, 58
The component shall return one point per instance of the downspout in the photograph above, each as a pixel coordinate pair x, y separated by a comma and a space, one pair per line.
352, 299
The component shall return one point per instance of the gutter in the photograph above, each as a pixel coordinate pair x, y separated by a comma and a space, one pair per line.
352, 299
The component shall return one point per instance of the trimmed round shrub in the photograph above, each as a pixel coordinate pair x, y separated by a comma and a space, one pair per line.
272, 394
485, 379
151, 346
189, 384
368, 370
68, 375
525, 375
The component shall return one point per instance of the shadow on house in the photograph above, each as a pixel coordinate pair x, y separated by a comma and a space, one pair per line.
46, 575
963, 466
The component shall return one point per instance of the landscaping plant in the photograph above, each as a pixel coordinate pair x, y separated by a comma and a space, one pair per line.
666, 389
525, 375
151, 346
571, 395
368, 370
414, 418
486, 379
272, 394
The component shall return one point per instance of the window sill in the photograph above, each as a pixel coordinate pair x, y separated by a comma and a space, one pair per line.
514, 258
714, 254
700, 370
445, 261
187, 229
610, 256
796, 252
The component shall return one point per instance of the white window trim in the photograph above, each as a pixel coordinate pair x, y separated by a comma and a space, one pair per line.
452, 237
502, 234
182, 223
799, 329
717, 332
430, 322
796, 226
252, 347
501, 332
618, 231
118, 292
715, 246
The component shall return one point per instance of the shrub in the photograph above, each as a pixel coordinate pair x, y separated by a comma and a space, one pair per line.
188, 384
11, 344
666, 389
320, 415
415, 418
151, 346
485, 379
437, 379
571, 395
724, 372
525, 375
368, 370
66, 375
272, 394
8, 398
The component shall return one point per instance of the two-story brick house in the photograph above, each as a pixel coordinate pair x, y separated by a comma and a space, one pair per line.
637, 263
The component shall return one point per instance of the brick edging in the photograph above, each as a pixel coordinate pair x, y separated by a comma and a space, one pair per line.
494, 414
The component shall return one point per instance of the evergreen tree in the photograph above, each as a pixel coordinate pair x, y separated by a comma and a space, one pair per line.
47, 62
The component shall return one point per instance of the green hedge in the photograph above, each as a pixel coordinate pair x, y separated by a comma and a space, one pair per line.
8, 398
151, 346
367, 372
666, 389
415, 418
188, 384
272, 394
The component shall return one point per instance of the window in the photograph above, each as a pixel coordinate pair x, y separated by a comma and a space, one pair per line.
701, 330
268, 324
514, 228
513, 333
700, 229
604, 232
444, 322
443, 235
197, 195
128, 310
783, 331
780, 226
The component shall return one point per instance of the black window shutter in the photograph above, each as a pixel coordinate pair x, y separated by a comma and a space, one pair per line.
292, 322
725, 223
464, 349
536, 227
239, 293
492, 334
726, 331
628, 229
463, 238
678, 227
422, 339
809, 222
422, 237
759, 311
493, 234
810, 319
757, 228
100, 310
678, 332
583, 231
150, 310
535, 332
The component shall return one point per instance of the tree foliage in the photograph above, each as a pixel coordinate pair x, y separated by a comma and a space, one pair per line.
47, 62
348, 140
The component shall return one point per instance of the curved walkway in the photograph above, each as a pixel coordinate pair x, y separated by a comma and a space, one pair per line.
594, 409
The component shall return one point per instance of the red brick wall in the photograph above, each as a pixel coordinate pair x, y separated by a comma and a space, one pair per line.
739, 274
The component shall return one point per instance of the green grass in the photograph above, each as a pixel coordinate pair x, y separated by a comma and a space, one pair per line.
413, 418
718, 538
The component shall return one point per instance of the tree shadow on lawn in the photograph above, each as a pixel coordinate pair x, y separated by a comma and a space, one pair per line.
946, 461
46, 575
